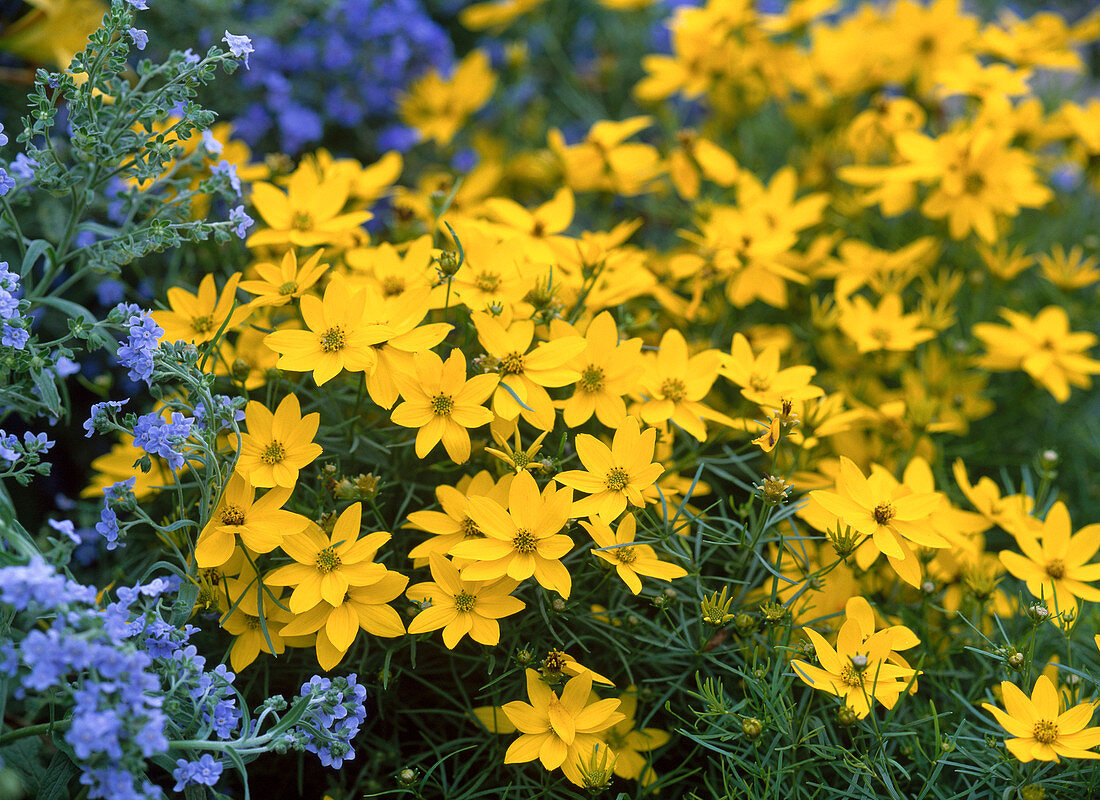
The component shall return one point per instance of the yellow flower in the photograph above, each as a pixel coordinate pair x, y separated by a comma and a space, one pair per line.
629, 559
277, 445
608, 369
761, 380
695, 154
327, 566
454, 524
1070, 270
882, 328
278, 284
605, 162
523, 540
1040, 731
1011, 512
260, 523
859, 669
361, 608
676, 384
438, 108
442, 403
196, 318
53, 31
244, 622
462, 606
338, 338
628, 742
767, 440
514, 455
560, 732
890, 513
1003, 263
391, 273
613, 476
536, 228
523, 374
1043, 347
308, 214
497, 14
1054, 562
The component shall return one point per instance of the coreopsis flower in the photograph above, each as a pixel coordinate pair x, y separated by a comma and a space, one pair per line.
515, 456
860, 669
365, 607
524, 375
629, 559
278, 284
338, 336
246, 360
437, 108
489, 277
608, 369
308, 214
883, 328
560, 732
522, 541
696, 155
559, 664
1069, 270
769, 437
442, 403
675, 385
1040, 730
462, 606
1011, 512
628, 741
390, 272
1043, 347
761, 380
197, 318
1004, 263
276, 446
1054, 564
537, 228
243, 622
613, 476
495, 15
890, 513
261, 523
327, 566
605, 162
454, 524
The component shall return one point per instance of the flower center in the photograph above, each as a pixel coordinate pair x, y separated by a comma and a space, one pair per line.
232, 515
524, 542
442, 405
333, 340
273, 453
673, 389
850, 676
327, 561
617, 478
288, 288
626, 555
392, 285
1045, 731
487, 282
469, 528
202, 324
1056, 568
555, 661
880, 334
464, 601
302, 221
973, 183
253, 623
759, 383
592, 379
512, 364
883, 513
521, 459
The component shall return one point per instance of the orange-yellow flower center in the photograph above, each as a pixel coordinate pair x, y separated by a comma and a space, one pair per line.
1045, 731
232, 515
288, 288
512, 364
442, 405
253, 623
327, 561
592, 378
521, 459
1056, 568
302, 221
333, 340
487, 282
524, 542
617, 478
393, 285
273, 453
759, 383
973, 183
880, 334
850, 676
470, 530
464, 601
883, 513
673, 389
202, 324
626, 555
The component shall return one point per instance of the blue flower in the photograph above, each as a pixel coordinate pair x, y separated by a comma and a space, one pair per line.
164, 438
139, 37
98, 414
23, 167
14, 337
204, 772
66, 527
239, 46
241, 219
140, 5
229, 170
